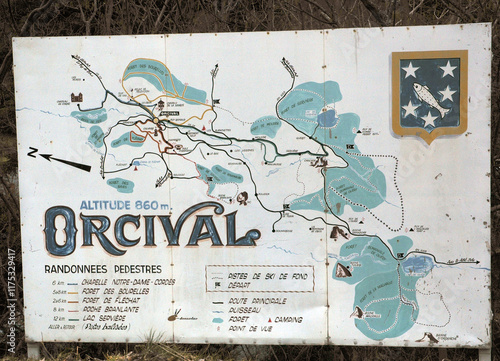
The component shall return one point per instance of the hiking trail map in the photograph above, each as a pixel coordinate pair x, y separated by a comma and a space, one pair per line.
310, 187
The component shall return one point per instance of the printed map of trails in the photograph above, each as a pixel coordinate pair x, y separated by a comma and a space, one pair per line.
256, 187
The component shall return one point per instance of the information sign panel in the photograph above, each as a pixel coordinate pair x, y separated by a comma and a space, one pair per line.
294, 187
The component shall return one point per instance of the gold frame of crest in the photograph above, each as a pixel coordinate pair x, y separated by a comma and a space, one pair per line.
417, 131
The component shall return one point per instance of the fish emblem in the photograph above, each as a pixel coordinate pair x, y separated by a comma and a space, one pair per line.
425, 96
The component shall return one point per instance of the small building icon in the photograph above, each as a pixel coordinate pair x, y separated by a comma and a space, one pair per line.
161, 104
76, 98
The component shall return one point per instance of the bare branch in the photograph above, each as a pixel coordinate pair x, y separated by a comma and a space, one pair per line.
310, 14
6, 65
12, 211
13, 22
31, 17
457, 10
331, 19
160, 16
9, 192
213, 13
89, 20
108, 15
379, 17
417, 7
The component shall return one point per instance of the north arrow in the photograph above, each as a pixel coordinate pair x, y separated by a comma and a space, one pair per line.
73, 164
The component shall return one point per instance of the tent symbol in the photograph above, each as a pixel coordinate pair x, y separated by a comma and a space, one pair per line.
358, 313
342, 271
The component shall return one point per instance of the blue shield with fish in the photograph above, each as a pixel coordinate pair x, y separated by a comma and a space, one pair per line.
429, 93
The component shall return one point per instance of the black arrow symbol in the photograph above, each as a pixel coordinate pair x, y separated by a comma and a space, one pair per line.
73, 164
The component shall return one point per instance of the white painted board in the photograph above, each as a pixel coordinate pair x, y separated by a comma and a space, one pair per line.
316, 187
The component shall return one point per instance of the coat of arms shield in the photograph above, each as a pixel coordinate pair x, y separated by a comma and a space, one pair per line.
429, 93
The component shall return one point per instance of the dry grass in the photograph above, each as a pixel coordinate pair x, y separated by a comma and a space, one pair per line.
153, 351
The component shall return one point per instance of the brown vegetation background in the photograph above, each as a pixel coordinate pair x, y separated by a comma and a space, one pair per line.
124, 17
